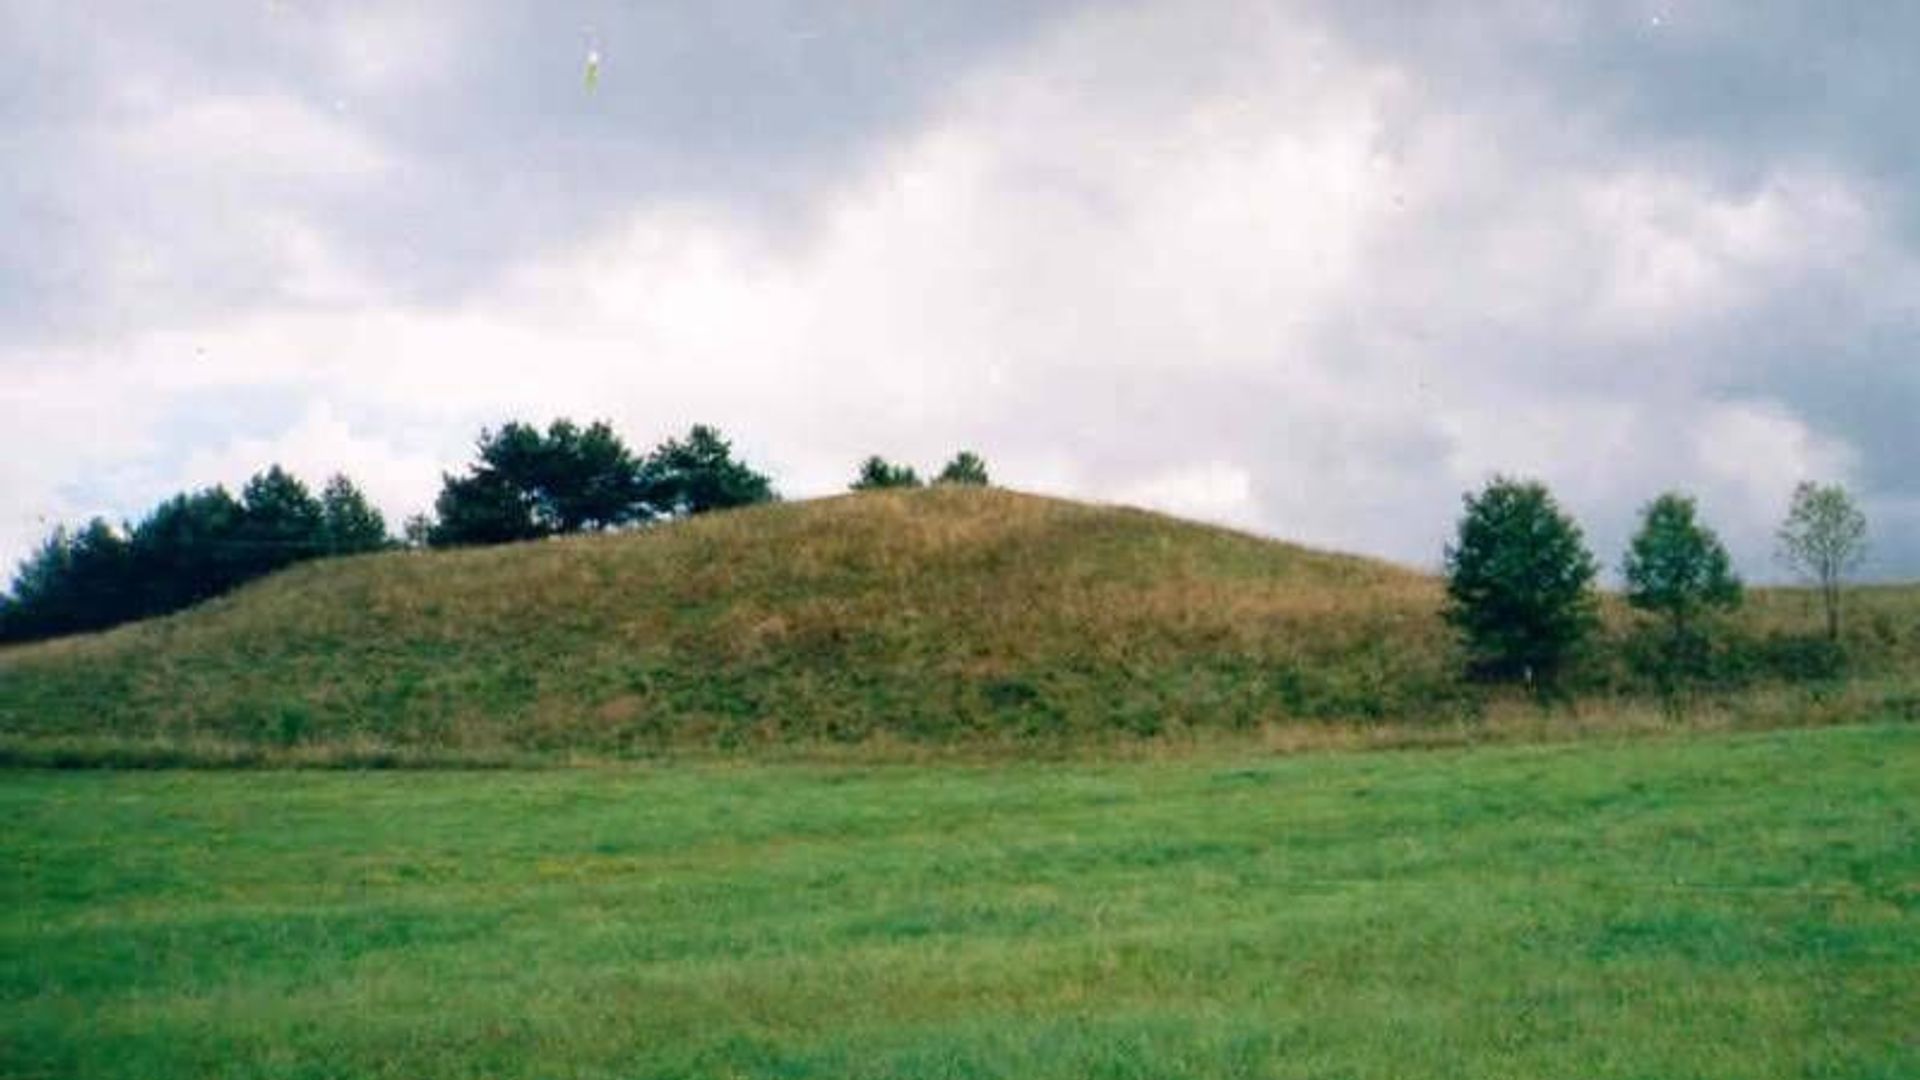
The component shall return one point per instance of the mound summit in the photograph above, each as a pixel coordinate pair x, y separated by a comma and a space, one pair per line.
929, 615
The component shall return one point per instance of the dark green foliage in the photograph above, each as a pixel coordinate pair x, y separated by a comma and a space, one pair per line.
481, 508
1823, 540
1678, 570
187, 549
877, 472
589, 480
1676, 567
76, 581
280, 525
526, 485
699, 474
965, 468
1802, 657
1519, 583
349, 524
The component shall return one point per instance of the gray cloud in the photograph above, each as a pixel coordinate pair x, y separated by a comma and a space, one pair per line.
487, 145
1309, 268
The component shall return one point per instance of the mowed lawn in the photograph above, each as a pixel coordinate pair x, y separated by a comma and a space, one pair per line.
1727, 906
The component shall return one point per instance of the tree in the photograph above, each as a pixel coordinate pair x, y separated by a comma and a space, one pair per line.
1677, 568
700, 474
877, 473
348, 522
483, 507
965, 468
280, 523
1823, 540
78, 580
588, 480
187, 549
1519, 582
525, 485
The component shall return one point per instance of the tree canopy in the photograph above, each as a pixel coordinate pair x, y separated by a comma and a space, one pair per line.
189, 548
1823, 539
699, 474
1519, 582
1677, 567
965, 468
877, 472
524, 485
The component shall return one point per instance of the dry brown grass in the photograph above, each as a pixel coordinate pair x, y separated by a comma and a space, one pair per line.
928, 618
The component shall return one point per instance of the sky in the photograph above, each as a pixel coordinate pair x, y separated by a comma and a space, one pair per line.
1312, 268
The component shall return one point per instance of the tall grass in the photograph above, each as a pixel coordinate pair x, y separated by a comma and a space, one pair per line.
924, 618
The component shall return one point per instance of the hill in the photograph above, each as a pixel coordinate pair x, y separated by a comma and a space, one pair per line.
933, 616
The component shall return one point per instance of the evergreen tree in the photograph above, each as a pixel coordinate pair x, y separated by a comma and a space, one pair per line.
965, 468
526, 485
76, 581
700, 474
187, 549
349, 523
877, 473
482, 507
281, 523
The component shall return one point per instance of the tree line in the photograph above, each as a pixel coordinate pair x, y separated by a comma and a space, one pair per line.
1521, 592
1520, 581
525, 484
189, 548
522, 484
877, 473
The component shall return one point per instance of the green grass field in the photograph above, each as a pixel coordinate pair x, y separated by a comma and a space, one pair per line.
1703, 906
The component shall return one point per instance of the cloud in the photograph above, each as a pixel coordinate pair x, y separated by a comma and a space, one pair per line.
1260, 263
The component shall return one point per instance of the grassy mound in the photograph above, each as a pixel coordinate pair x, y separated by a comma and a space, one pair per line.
923, 615
936, 616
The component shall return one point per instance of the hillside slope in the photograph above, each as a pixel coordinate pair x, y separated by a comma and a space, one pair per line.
939, 616
933, 614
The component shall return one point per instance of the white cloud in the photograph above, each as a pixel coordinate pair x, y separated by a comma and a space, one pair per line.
1214, 491
399, 479
1216, 262
231, 142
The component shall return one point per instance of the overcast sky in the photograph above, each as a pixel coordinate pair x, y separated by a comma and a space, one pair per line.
1310, 268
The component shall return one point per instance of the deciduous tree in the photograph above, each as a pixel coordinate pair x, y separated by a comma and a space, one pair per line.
1677, 569
1823, 540
1519, 582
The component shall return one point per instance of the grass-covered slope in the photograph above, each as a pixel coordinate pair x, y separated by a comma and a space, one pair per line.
924, 615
